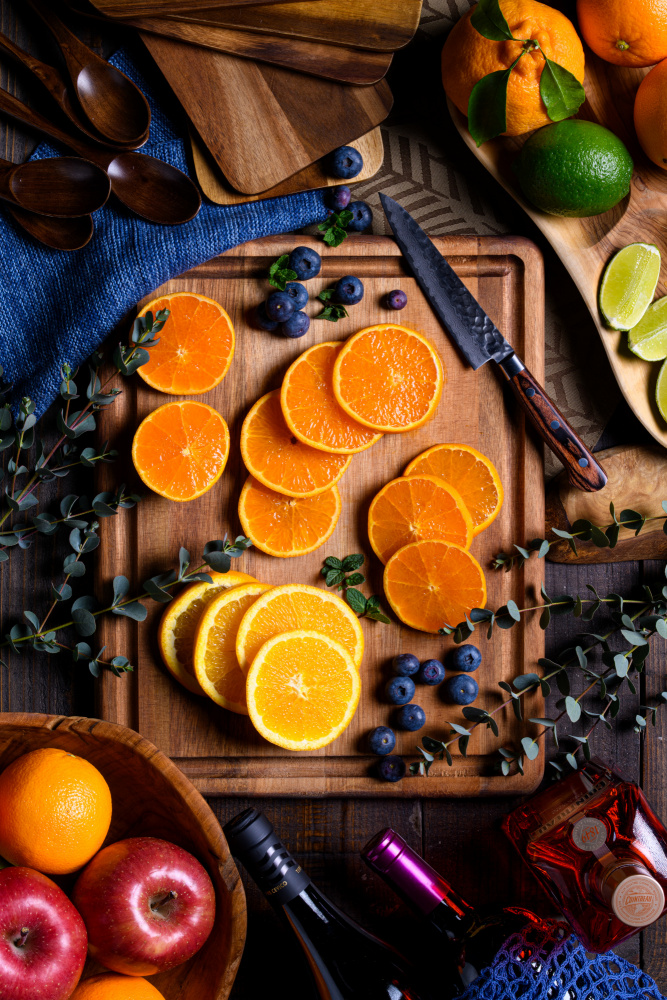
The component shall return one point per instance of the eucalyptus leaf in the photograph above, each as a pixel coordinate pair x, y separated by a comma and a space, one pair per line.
530, 748
573, 709
84, 621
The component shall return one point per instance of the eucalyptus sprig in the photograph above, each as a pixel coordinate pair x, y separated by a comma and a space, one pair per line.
343, 575
335, 226
332, 311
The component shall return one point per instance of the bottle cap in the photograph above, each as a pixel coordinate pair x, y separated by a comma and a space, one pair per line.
634, 895
253, 841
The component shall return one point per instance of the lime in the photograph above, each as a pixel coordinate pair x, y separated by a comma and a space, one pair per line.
628, 284
661, 391
648, 340
574, 168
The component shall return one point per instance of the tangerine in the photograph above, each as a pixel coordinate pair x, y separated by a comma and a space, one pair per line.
112, 986
625, 32
651, 114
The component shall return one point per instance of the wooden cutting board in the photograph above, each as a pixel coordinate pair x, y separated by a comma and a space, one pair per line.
146, 8
263, 123
220, 751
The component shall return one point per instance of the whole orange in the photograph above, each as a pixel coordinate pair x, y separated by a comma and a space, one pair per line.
467, 57
55, 811
651, 114
625, 32
111, 986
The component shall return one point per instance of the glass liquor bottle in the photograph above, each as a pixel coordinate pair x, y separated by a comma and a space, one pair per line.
598, 848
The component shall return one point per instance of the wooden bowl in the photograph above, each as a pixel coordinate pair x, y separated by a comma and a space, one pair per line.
152, 798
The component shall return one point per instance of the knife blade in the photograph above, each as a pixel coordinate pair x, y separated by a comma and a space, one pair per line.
479, 340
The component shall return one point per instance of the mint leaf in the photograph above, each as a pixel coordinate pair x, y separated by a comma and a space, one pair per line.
487, 107
489, 21
333, 313
356, 600
561, 92
280, 273
334, 228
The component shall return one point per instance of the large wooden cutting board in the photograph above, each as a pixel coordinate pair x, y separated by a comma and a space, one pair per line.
141, 8
220, 752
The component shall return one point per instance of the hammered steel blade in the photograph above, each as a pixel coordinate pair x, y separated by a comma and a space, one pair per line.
476, 336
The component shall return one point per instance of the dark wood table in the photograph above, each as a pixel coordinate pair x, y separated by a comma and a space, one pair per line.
461, 838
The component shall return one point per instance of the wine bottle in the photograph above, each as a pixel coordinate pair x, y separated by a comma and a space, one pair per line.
472, 938
346, 961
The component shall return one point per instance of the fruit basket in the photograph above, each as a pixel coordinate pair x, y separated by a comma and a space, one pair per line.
151, 797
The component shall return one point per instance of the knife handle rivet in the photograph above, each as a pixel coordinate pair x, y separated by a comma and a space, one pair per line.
530, 392
583, 462
554, 425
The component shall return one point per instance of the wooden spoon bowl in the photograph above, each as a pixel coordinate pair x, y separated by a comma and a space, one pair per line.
61, 186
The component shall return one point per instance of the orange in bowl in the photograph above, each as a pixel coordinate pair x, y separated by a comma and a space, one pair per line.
625, 32
112, 986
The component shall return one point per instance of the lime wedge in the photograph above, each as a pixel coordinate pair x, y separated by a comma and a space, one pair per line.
628, 284
661, 391
648, 340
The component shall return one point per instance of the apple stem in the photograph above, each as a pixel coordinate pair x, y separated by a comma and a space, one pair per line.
22, 938
165, 899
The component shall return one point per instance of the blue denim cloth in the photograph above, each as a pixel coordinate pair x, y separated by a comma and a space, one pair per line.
57, 306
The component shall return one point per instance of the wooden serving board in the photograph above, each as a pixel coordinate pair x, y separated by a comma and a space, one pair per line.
221, 752
147, 8
264, 123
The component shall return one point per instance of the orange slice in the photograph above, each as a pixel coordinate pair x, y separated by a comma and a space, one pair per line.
413, 508
298, 606
196, 345
388, 378
176, 634
215, 663
311, 410
180, 449
275, 457
303, 690
468, 471
287, 526
433, 583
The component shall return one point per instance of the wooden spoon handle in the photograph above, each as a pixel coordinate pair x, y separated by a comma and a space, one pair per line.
68, 43
46, 74
11, 106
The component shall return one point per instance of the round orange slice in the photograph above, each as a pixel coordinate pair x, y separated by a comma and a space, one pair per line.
180, 449
298, 606
287, 526
472, 474
433, 583
311, 410
196, 345
389, 378
278, 460
412, 508
215, 663
176, 634
303, 690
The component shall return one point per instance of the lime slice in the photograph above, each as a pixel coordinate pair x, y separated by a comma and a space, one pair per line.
648, 340
628, 284
661, 391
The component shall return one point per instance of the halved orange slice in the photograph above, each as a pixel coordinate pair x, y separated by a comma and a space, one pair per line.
312, 412
180, 449
287, 526
433, 583
389, 378
412, 508
472, 474
303, 690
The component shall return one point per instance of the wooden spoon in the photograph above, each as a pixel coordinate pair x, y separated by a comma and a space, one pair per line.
61, 186
150, 188
111, 102
60, 234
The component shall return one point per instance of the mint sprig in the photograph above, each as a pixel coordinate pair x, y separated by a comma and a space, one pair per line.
280, 273
332, 311
335, 227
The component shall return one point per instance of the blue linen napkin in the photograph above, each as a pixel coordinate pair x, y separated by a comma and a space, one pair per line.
57, 306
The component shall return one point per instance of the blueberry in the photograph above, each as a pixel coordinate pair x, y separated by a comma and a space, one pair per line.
396, 299
411, 717
405, 664
361, 216
349, 290
298, 293
346, 162
296, 326
431, 672
305, 262
391, 768
400, 690
461, 689
279, 306
466, 658
339, 197
381, 740
262, 320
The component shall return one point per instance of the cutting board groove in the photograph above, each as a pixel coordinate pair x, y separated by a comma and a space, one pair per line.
142, 8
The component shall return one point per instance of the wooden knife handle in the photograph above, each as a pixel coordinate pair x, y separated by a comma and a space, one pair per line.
582, 469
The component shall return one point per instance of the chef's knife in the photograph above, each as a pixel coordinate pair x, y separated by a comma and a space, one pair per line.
479, 340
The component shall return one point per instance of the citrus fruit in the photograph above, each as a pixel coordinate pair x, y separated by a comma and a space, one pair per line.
303, 689
628, 284
196, 345
467, 57
111, 986
625, 32
433, 583
176, 635
312, 412
648, 340
650, 115
55, 811
660, 394
415, 507
473, 476
298, 606
180, 449
388, 377
215, 663
574, 169
287, 526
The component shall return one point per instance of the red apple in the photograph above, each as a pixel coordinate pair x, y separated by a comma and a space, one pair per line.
147, 905
42, 938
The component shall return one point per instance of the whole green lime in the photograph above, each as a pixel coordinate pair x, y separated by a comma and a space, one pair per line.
574, 168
